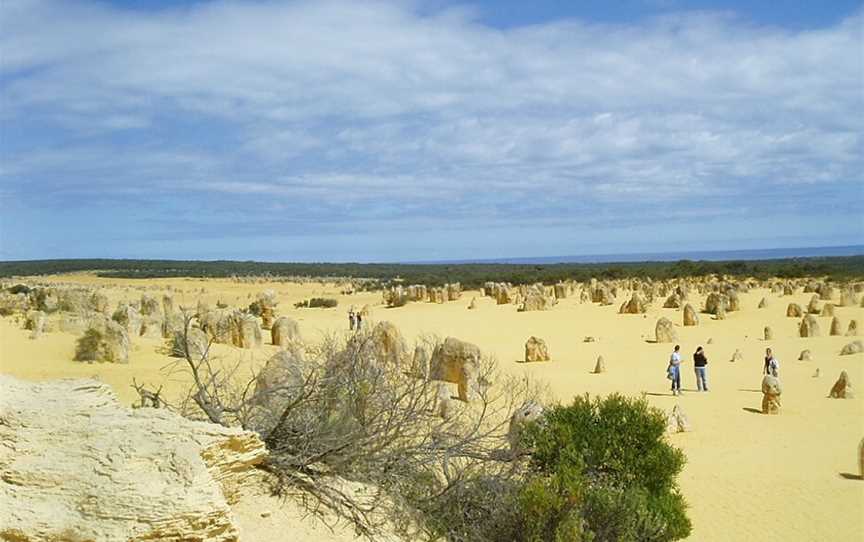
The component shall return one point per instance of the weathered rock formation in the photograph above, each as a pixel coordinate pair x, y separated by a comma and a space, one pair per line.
855, 347
805, 355
192, 342
678, 422
836, 327
809, 327
634, 306
536, 350
769, 334
853, 328
388, 344
457, 362
664, 331
284, 331
842, 389
145, 474
105, 342
771, 391
245, 331
690, 316
600, 366
736, 356
524, 415
793, 310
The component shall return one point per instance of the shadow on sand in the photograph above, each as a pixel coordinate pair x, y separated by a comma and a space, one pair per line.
754, 391
753, 410
850, 476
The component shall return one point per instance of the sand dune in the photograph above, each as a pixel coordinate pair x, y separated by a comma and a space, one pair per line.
748, 476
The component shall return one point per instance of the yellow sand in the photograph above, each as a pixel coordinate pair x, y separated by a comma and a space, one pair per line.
748, 476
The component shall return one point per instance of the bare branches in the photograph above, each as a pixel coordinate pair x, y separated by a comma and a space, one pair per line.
357, 434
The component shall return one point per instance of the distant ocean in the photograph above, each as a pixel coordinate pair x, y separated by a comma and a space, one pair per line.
715, 255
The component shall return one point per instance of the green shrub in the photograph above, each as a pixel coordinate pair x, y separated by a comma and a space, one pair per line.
317, 302
19, 289
601, 470
88, 346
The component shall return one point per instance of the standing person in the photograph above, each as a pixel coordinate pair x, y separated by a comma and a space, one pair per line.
674, 370
699, 365
351, 319
772, 366
359, 318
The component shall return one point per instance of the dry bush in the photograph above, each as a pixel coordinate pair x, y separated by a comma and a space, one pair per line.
343, 419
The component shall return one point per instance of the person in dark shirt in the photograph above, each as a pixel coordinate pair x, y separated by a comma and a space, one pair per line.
700, 363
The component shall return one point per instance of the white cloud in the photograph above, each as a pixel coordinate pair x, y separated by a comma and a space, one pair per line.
383, 108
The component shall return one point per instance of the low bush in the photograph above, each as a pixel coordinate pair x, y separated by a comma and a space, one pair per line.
317, 302
88, 345
19, 289
601, 470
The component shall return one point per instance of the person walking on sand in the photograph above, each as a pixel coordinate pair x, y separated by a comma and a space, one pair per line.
351, 319
699, 365
674, 370
772, 366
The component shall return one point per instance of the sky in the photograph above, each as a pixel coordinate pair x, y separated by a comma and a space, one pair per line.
399, 130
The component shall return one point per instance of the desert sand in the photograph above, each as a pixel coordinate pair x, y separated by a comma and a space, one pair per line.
748, 476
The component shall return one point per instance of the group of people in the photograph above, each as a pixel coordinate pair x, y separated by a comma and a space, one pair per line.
700, 366
355, 320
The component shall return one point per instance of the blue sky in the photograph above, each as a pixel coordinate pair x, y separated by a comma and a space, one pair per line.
411, 130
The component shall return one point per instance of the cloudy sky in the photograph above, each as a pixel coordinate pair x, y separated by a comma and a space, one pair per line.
420, 130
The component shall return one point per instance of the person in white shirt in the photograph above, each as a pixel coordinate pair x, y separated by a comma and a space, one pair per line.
674, 370
772, 365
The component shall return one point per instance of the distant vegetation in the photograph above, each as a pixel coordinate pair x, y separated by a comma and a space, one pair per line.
470, 275
317, 303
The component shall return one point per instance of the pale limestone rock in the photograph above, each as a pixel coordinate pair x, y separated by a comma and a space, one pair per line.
145, 474
457, 362
528, 413
536, 350
678, 422
664, 331
284, 331
771, 391
855, 347
842, 389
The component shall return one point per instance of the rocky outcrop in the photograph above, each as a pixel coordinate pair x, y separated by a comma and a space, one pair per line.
284, 331
768, 333
677, 421
852, 330
457, 362
388, 344
634, 306
536, 350
106, 341
145, 474
524, 415
771, 391
805, 355
193, 343
736, 356
690, 316
664, 331
842, 389
793, 310
809, 327
836, 327
855, 347
600, 366
245, 331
